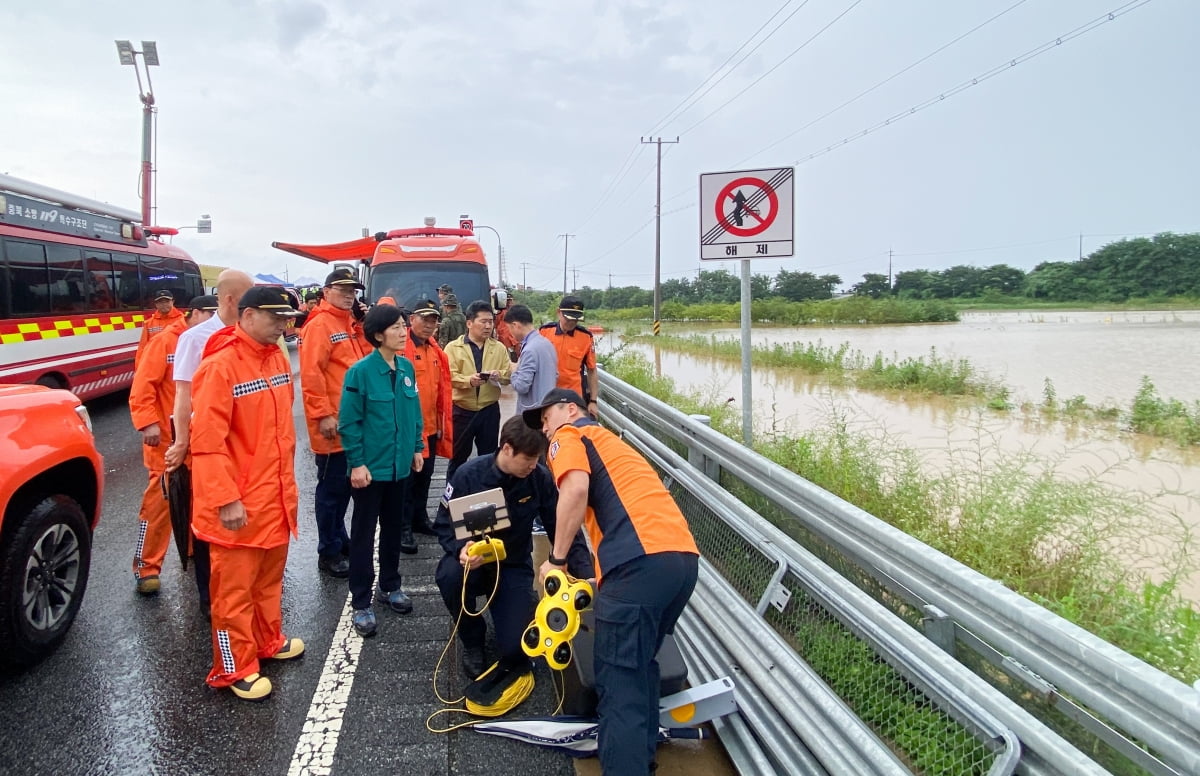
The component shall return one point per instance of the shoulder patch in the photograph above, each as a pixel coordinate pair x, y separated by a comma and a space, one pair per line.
447, 495
553, 450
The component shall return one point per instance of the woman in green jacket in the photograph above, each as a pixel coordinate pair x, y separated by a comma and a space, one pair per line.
379, 421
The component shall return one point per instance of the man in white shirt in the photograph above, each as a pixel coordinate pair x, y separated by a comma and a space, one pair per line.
231, 284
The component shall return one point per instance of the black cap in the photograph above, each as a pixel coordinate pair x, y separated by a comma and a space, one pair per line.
164, 293
206, 302
533, 415
273, 300
571, 307
426, 307
343, 277
445, 288
312, 296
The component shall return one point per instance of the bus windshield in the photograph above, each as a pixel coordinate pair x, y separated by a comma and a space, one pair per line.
409, 282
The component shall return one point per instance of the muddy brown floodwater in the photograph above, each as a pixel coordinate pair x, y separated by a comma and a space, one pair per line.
1101, 356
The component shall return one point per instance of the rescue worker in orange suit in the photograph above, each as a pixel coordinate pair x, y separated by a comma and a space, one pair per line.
331, 341
576, 352
501, 330
437, 404
243, 447
647, 559
151, 402
165, 313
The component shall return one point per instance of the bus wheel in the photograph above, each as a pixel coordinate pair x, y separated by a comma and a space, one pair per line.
44, 564
50, 381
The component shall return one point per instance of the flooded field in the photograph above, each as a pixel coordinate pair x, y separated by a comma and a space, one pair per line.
1101, 356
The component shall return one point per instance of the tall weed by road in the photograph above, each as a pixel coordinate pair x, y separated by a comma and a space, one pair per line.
1170, 418
1076, 547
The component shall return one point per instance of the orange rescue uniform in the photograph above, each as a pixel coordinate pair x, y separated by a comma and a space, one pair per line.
156, 324
330, 342
433, 386
576, 352
629, 512
152, 400
243, 448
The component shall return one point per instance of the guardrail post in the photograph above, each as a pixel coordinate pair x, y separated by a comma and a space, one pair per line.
699, 460
939, 628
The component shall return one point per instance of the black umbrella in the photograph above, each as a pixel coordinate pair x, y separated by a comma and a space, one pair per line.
177, 487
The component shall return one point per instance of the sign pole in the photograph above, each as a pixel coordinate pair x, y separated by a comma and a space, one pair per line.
747, 403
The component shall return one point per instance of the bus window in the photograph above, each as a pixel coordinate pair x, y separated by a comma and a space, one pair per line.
30, 278
157, 274
100, 280
125, 269
67, 290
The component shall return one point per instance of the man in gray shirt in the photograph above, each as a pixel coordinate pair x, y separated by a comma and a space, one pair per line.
536, 372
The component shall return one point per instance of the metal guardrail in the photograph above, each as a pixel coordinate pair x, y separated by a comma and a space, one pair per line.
1050, 681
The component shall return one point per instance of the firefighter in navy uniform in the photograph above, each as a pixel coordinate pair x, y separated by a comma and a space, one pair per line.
576, 352
529, 493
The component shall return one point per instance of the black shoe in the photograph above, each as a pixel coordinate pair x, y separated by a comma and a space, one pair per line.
335, 566
472, 662
408, 542
422, 526
397, 600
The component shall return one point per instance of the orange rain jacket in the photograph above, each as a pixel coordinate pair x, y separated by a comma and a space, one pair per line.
433, 386
152, 327
330, 342
576, 356
243, 441
152, 397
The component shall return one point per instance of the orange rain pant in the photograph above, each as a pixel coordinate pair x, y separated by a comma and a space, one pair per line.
247, 615
154, 519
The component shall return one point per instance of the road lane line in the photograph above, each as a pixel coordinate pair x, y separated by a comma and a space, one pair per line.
318, 741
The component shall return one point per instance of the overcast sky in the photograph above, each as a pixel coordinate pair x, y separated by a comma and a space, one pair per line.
306, 121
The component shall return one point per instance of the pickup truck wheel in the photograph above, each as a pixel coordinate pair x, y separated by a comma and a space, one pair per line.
43, 574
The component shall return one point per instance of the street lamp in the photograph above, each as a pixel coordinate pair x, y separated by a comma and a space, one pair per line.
128, 56
499, 249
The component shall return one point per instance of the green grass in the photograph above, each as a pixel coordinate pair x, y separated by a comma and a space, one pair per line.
1074, 547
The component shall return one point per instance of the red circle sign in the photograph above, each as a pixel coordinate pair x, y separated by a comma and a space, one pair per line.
728, 193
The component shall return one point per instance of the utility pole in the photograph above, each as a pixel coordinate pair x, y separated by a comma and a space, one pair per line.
889, 269
1081, 246
524, 266
574, 279
566, 240
658, 141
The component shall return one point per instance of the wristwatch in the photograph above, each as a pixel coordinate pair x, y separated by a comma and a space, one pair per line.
553, 561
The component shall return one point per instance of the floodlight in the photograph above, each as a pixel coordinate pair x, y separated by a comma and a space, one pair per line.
204, 224
150, 52
125, 52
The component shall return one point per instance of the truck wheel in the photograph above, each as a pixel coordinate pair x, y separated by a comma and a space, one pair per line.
43, 574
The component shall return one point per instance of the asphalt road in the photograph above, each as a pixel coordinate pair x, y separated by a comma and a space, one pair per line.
125, 694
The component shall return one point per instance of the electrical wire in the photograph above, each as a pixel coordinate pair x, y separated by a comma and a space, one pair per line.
887, 80
992, 73
665, 121
777, 65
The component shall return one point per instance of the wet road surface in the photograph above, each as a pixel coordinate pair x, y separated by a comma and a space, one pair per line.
125, 694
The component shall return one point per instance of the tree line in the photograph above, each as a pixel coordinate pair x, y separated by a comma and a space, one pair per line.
1166, 265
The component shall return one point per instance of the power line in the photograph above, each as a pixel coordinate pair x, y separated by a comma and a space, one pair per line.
622, 171
777, 65
887, 80
663, 122
995, 71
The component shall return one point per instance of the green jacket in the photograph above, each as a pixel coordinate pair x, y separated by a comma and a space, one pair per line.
379, 419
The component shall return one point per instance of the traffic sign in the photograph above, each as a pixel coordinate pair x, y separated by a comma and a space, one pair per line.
747, 214
467, 223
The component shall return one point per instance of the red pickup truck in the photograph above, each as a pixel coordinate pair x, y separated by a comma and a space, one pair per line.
51, 488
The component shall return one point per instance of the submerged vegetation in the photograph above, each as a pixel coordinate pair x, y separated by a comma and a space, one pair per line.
1076, 547
1148, 413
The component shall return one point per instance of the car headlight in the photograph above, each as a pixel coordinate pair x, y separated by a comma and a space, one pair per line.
82, 412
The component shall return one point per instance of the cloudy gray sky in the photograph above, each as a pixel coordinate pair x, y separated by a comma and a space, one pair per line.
307, 120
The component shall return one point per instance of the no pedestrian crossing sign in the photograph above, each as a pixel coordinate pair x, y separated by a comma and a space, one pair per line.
747, 214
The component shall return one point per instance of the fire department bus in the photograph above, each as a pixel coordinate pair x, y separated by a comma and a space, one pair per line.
409, 264
77, 281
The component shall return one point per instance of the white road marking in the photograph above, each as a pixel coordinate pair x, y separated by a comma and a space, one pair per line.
314, 751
